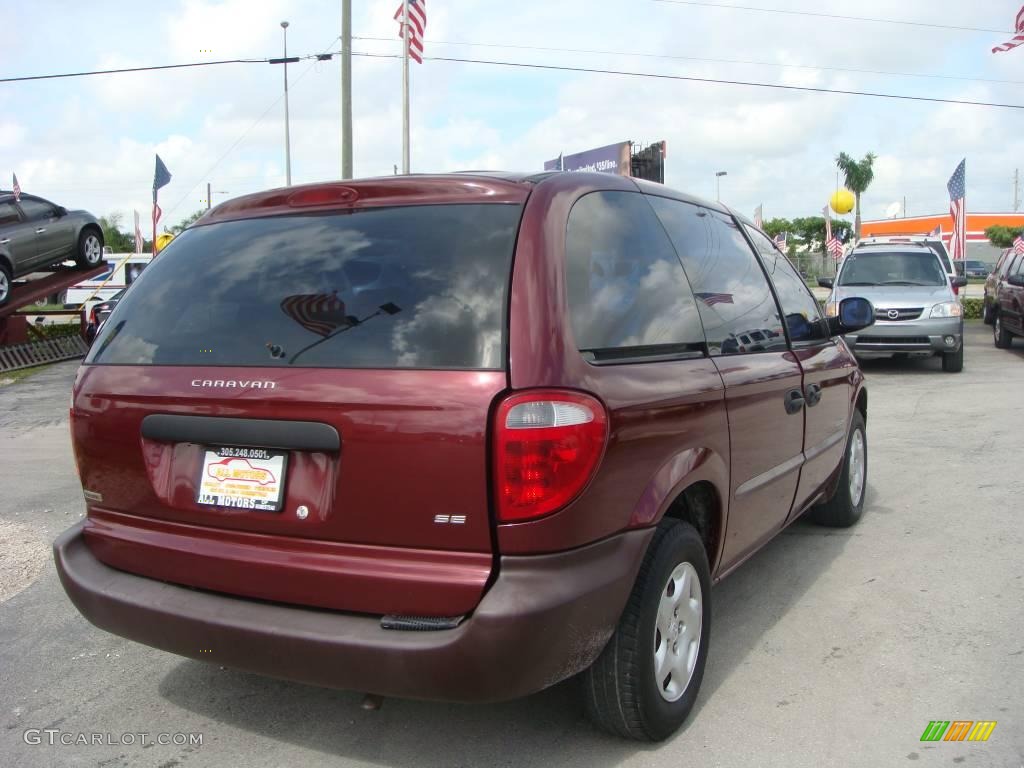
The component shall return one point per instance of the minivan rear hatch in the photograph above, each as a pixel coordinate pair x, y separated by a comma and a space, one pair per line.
295, 408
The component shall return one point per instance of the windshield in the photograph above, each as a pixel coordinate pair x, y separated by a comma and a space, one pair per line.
404, 287
892, 268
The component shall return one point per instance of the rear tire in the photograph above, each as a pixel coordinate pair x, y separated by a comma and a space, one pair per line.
666, 624
987, 315
847, 505
953, 362
5, 283
90, 249
1003, 338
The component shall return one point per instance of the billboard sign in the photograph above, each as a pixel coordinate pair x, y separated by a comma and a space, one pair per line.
615, 158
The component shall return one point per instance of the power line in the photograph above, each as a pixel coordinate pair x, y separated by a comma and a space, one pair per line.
872, 19
131, 69
704, 59
718, 81
315, 59
317, 56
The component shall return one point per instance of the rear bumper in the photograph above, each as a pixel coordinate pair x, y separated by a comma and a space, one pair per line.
927, 336
544, 619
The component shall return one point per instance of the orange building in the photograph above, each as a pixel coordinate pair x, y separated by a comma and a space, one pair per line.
978, 246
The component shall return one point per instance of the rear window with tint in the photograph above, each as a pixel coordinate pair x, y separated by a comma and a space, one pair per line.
412, 287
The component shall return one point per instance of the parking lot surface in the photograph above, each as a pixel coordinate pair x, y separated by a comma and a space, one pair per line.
829, 647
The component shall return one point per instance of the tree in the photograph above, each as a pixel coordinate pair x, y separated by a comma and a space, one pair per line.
177, 228
1002, 237
859, 175
774, 227
119, 242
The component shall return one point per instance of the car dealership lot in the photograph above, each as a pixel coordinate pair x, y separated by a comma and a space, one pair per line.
830, 647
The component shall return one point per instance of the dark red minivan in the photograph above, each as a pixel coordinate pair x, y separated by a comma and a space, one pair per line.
458, 437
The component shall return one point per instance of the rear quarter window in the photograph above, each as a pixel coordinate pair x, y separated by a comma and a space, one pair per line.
405, 287
628, 294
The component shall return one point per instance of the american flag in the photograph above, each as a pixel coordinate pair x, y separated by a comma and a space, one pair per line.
320, 313
1018, 244
16, 188
138, 234
780, 241
715, 298
417, 27
958, 210
758, 221
832, 243
1018, 39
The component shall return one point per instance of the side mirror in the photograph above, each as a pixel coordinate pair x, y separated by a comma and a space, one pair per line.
1017, 280
854, 314
826, 282
62, 211
959, 281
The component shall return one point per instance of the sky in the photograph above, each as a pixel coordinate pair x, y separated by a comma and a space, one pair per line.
89, 142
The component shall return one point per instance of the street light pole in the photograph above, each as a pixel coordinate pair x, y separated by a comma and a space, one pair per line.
287, 135
718, 184
346, 89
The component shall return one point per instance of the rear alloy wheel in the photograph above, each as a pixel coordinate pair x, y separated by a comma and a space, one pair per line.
90, 249
953, 362
5, 284
645, 682
847, 505
1002, 337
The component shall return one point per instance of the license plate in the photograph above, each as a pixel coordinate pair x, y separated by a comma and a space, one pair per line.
242, 478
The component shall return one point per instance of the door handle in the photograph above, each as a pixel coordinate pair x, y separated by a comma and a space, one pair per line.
813, 394
794, 401
40, 230
5, 241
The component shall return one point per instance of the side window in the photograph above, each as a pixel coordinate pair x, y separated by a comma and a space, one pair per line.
799, 307
8, 214
628, 295
735, 302
1018, 266
36, 209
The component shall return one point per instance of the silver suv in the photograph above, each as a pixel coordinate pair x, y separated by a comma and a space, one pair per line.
916, 308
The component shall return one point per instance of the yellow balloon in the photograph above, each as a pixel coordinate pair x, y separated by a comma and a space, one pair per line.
841, 201
162, 240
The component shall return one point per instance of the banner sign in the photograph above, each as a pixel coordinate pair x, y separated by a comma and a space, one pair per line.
611, 159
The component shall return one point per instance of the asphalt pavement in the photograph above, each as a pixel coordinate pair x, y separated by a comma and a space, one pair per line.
828, 648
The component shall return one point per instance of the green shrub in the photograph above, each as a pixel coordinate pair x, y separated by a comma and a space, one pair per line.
972, 308
40, 332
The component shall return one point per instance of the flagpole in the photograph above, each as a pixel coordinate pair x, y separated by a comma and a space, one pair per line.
405, 87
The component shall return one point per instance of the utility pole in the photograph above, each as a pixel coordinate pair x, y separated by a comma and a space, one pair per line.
904, 206
1016, 189
207, 195
405, 86
346, 89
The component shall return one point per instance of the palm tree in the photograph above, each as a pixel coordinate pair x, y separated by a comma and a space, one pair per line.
859, 175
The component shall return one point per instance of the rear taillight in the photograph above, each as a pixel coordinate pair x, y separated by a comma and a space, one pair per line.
547, 444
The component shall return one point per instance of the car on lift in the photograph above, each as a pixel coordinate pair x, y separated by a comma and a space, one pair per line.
36, 234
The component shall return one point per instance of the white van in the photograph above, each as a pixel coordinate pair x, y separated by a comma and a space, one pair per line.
122, 269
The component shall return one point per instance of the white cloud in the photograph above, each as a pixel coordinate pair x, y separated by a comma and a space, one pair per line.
90, 142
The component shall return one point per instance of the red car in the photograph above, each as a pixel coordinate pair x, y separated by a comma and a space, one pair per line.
517, 426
